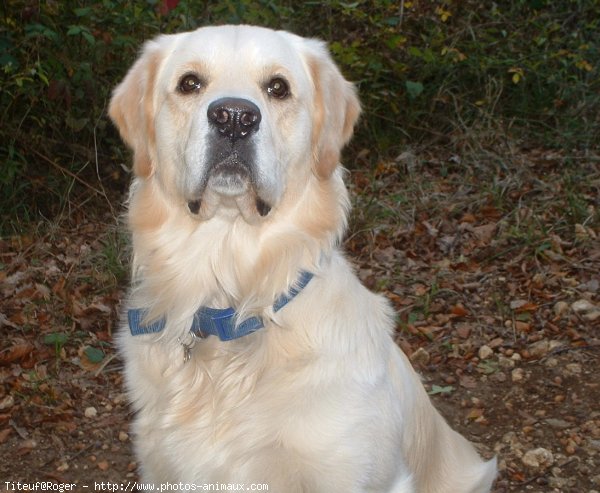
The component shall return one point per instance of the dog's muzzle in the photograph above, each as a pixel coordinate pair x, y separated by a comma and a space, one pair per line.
231, 170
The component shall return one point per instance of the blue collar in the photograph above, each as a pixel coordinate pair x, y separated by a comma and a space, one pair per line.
219, 322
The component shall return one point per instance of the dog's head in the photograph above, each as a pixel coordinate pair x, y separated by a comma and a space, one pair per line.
232, 117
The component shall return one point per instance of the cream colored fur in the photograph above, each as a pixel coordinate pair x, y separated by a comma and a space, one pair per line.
320, 400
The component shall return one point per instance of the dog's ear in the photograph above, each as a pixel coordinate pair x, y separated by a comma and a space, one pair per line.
336, 109
132, 109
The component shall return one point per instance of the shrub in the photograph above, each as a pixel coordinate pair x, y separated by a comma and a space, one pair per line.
428, 71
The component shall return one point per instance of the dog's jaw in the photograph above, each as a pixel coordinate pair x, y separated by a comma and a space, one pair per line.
230, 189
230, 178
249, 205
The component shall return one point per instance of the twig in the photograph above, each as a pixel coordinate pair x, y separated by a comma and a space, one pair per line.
568, 349
96, 161
401, 15
22, 432
73, 457
104, 364
67, 172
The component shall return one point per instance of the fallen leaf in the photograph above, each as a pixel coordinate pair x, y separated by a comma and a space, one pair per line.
468, 218
420, 356
59, 288
4, 321
467, 382
420, 289
17, 352
519, 305
26, 446
485, 233
522, 326
527, 307
7, 402
4, 434
43, 291
496, 342
518, 476
475, 413
459, 310
514, 304
463, 331
491, 211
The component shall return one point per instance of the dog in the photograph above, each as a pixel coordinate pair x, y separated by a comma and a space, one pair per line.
253, 354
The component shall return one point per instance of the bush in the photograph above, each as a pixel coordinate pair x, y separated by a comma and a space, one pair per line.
427, 71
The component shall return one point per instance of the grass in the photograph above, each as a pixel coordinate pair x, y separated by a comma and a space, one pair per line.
113, 258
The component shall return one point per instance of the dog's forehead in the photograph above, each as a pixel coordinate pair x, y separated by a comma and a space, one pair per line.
239, 47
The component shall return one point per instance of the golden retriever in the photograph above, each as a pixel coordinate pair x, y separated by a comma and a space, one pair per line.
253, 353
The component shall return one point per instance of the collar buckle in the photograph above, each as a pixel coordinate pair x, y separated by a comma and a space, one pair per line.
187, 346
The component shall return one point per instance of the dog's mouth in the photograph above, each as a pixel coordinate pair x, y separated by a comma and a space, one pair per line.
260, 206
230, 177
230, 184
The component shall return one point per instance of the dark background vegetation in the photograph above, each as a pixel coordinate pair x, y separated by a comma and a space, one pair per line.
463, 75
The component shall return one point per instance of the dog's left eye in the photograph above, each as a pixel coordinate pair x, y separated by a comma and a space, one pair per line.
189, 83
278, 88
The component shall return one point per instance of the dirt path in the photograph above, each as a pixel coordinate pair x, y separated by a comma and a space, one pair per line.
498, 302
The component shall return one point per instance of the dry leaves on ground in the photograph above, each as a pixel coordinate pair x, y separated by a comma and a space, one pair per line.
494, 275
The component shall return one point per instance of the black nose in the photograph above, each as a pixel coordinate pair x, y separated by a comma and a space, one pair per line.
234, 117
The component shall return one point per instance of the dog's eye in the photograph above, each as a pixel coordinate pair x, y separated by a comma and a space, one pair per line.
278, 88
189, 83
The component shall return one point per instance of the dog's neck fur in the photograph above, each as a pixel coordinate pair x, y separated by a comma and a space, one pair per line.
223, 261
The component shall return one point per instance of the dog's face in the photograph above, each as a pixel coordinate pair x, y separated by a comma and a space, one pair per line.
232, 117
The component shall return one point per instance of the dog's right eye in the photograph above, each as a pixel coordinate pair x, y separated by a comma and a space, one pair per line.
189, 83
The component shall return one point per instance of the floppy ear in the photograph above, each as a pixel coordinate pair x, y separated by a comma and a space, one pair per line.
336, 109
132, 109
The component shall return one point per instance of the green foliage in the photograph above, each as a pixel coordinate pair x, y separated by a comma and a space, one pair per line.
428, 71
446, 68
58, 340
58, 62
437, 389
94, 355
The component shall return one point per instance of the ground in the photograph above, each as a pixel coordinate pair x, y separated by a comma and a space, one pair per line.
493, 268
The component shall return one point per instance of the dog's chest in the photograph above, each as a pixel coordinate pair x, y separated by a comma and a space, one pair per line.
210, 417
